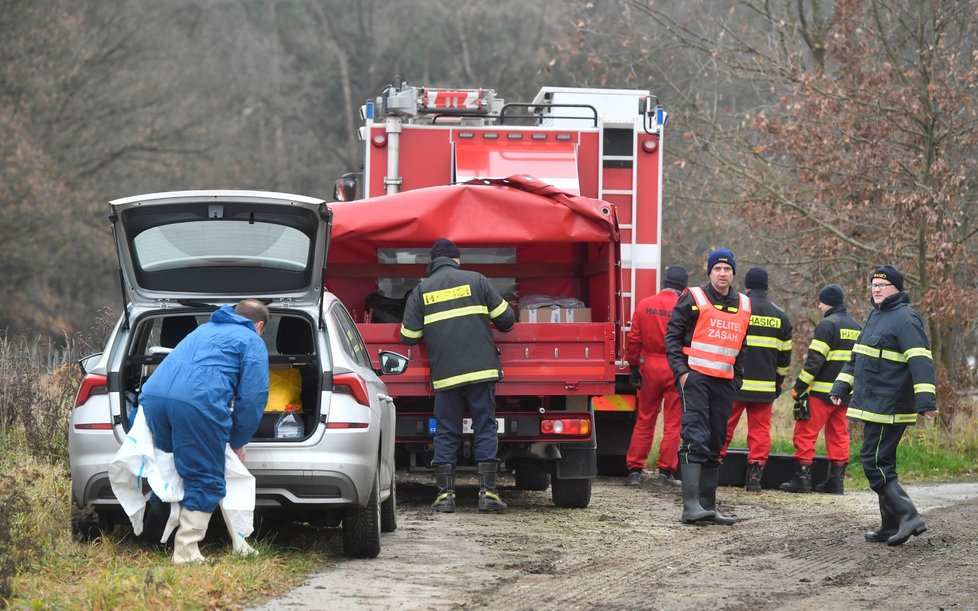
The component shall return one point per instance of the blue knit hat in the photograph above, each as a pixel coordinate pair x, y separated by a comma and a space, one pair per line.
720, 255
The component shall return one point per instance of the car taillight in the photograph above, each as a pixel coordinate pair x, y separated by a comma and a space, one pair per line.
352, 384
92, 384
565, 426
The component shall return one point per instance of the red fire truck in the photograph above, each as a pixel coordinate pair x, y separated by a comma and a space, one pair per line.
561, 210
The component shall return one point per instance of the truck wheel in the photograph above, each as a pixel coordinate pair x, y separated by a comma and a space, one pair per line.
388, 510
572, 493
361, 527
529, 479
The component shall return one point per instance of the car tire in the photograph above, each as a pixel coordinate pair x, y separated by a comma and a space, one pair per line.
361, 526
388, 510
530, 479
571, 493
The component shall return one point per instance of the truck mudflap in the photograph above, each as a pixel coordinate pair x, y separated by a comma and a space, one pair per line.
577, 461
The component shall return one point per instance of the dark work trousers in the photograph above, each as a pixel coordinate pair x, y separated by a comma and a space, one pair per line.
707, 402
879, 452
450, 406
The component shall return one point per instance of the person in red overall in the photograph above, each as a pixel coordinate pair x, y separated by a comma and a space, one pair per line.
704, 347
767, 355
831, 348
650, 375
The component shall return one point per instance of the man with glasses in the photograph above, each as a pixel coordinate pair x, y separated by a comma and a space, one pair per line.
891, 379
830, 349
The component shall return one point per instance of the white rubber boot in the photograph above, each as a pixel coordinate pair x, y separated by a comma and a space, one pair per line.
192, 530
238, 542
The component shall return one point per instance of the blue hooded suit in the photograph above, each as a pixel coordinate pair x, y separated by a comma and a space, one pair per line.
188, 402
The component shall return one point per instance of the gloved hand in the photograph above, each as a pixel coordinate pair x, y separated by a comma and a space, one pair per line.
635, 377
800, 409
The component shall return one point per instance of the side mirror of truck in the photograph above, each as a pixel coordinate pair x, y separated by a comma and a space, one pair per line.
345, 189
392, 363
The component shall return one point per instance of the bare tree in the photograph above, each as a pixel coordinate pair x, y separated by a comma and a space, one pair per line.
840, 136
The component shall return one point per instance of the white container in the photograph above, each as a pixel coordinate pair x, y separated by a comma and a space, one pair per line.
289, 426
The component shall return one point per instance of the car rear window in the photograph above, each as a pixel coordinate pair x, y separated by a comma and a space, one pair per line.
197, 243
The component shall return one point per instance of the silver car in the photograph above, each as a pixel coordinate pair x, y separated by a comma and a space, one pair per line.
184, 254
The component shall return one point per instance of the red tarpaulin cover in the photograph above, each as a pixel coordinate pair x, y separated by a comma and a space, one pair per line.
484, 211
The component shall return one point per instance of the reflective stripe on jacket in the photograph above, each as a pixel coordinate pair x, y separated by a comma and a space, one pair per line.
891, 371
717, 337
767, 350
831, 348
450, 311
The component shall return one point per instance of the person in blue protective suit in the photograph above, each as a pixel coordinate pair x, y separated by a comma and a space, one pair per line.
208, 393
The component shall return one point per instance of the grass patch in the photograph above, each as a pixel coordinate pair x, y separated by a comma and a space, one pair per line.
120, 572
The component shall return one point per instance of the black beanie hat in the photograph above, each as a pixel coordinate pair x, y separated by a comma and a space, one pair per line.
756, 278
443, 247
676, 278
891, 275
832, 295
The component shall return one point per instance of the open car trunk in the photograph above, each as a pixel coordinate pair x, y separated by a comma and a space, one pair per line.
294, 362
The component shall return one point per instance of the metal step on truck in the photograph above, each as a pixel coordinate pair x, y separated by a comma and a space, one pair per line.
557, 201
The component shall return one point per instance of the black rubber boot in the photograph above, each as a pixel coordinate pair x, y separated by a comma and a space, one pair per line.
488, 495
445, 479
909, 522
888, 524
802, 481
708, 495
692, 510
754, 472
833, 484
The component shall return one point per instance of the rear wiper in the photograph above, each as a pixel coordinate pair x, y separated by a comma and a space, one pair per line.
195, 304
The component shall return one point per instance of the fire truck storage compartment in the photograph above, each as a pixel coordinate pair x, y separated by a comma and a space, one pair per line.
571, 270
288, 337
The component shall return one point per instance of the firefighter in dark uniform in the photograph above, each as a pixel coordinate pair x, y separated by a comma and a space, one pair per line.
767, 355
831, 348
704, 341
450, 310
891, 379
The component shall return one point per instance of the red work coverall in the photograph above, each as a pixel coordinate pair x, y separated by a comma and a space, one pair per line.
646, 348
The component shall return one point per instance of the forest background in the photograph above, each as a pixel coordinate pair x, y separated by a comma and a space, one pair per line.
817, 139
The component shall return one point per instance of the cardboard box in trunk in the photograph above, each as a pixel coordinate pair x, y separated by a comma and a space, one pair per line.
555, 315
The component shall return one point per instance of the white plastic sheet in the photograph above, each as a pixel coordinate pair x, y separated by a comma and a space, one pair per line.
138, 459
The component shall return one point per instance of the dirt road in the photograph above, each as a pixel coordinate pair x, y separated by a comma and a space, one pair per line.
628, 550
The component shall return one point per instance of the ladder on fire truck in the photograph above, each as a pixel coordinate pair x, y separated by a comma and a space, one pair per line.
631, 205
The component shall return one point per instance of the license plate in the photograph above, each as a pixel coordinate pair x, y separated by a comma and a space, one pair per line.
467, 426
